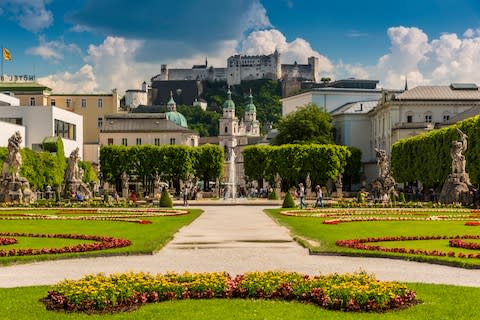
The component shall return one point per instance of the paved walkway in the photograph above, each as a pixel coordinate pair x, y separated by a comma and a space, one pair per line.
235, 239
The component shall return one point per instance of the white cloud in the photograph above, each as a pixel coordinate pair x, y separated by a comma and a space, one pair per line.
80, 28
65, 82
30, 14
53, 50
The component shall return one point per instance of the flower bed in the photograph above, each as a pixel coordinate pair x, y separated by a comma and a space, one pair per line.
459, 243
102, 243
7, 241
472, 223
120, 215
362, 245
350, 292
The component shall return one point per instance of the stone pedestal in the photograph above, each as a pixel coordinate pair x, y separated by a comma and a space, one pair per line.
17, 191
75, 186
457, 189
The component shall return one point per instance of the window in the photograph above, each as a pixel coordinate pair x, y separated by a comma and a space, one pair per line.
124, 142
409, 118
65, 130
446, 117
172, 140
139, 141
18, 121
53, 102
99, 122
428, 118
68, 103
157, 141
110, 141
83, 103
100, 103
226, 129
192, 142
32, 101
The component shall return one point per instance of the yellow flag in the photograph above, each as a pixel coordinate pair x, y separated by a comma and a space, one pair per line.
6, 55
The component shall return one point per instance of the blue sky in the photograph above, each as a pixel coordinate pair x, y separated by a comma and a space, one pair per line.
97, 45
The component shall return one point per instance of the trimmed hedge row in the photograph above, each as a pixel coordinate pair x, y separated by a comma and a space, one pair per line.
170, 162
293, 162
426, 157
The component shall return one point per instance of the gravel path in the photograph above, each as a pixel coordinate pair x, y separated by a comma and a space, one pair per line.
235, 239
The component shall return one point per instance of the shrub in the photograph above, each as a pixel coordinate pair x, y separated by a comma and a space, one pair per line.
402, 197
165, 200
361, 197
273, 195
288, 201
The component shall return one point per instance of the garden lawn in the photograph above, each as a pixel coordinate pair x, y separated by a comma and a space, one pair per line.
145, 238
324, 236
439, 302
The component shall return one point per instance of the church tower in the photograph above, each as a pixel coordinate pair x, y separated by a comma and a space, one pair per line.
252, 125
228, 124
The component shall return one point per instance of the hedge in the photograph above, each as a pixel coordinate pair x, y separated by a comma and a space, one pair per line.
293, 162
426, 158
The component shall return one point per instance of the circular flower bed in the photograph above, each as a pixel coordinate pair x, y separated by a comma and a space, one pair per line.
362, 244
349, 292
101, 243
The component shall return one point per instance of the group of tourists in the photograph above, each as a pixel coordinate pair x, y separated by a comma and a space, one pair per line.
302, 194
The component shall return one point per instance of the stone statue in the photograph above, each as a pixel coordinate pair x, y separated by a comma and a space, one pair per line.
125, 180
381, 187
457, 187
13, 187
74, 186
382, 162
156, 182
11, 166
72, 173
457, 151
278, 181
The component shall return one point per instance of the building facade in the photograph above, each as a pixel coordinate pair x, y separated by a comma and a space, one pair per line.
419, 110
244, 67
46, 121
331, 97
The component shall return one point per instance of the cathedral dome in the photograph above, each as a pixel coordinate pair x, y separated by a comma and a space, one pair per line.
229, 104
178, 118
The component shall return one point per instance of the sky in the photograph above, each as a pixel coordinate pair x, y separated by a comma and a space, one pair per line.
84, 46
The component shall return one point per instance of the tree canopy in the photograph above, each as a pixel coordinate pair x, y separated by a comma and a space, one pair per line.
309, 124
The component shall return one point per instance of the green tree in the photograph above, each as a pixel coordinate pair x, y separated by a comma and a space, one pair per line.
307, 125
208, 163
203, 122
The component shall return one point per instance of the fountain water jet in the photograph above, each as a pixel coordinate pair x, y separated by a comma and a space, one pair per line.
232, 184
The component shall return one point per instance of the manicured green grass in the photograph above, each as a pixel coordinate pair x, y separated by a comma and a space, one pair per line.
145, 238
325, 236
439, 302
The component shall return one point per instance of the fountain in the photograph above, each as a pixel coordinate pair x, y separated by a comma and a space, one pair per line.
231, 185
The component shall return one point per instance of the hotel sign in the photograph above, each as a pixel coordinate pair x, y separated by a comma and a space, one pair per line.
17, 78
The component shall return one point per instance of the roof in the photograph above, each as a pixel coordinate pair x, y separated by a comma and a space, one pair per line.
140, 122
178, 118
229, 104
358, 107
456, 92
23, 86
472, 112
250, 107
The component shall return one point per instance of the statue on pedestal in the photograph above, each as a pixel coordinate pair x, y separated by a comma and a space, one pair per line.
457, 188
74, 186
13, 187
381, 187
125, 181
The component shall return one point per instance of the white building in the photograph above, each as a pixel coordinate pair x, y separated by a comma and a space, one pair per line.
418, 110
134, 97
328, 98
43, 121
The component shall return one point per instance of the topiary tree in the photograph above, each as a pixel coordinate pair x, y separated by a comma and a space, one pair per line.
273, 195
165, 200
288, 201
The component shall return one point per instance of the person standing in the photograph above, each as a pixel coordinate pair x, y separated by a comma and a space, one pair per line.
185, 196
301, 195
319, 196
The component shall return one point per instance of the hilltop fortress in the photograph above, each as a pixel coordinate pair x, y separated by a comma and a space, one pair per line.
243, 67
